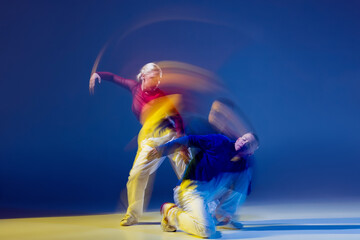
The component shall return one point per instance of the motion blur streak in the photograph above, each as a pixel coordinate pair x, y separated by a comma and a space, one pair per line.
184, 76
229, 120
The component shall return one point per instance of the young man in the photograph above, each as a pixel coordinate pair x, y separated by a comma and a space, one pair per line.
219, 173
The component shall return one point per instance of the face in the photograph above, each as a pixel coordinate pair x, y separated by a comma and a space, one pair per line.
150, 81
246, 144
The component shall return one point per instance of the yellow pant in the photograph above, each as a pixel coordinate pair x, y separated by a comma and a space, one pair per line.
150, 136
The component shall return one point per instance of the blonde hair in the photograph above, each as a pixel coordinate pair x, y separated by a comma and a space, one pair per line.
147, 68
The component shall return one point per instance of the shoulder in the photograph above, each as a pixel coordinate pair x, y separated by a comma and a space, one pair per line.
219, 137
207, 141
220, 140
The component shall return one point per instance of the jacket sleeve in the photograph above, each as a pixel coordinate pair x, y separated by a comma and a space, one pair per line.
205, 142
171, 146
126, 83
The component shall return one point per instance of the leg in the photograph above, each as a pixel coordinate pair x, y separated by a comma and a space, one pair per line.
178, 163
230, 202
136, 190
142, 168
138, 179
191, 215
227, 210
177, 159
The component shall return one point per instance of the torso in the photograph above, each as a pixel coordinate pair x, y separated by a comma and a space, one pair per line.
141, 98
209, 163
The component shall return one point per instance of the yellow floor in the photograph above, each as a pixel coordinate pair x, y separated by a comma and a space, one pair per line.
270, 222
97, 227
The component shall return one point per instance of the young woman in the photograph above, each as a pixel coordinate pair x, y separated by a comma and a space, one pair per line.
161, 123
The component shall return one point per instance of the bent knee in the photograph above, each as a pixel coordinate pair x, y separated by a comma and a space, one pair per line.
206, 231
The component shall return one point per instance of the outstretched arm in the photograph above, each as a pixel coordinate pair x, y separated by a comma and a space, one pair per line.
168, 148
202, 142
127, 83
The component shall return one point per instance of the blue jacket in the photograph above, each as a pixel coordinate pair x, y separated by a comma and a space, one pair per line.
214, 156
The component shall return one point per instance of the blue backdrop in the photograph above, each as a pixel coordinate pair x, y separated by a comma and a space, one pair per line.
293, 67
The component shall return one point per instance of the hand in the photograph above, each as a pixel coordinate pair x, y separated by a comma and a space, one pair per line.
179, 134
92, 81
185, 155
153, 154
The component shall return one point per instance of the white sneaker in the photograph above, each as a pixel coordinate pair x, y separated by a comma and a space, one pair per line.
128, 220
164, 209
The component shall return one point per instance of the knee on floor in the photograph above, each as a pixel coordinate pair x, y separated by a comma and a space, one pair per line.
206, 231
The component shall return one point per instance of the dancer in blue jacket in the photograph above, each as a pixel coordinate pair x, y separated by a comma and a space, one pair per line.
219, 172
